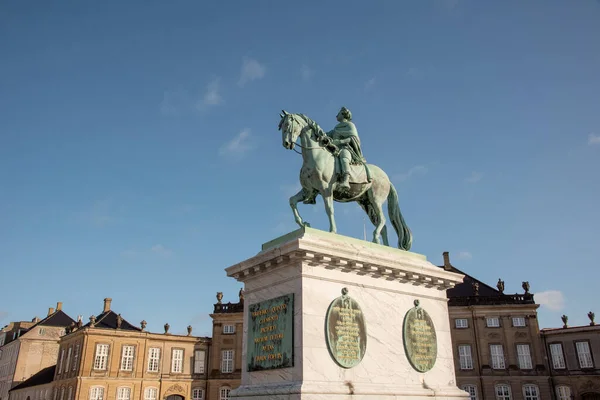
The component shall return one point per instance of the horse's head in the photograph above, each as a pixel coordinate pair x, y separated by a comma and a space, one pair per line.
290, 127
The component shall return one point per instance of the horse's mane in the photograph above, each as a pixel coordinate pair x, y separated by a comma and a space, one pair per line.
311, 123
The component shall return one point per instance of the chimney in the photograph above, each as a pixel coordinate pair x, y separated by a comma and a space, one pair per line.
107, 302
447, 265
59, 306
50, 311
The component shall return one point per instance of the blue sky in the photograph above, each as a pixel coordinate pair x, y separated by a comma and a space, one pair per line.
139, 151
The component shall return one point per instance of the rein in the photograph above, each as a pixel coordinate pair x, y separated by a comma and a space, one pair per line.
319, 138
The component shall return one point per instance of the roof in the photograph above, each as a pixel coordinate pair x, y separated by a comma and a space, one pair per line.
463, 294
108, 320
41, 378
570, 329
57, 318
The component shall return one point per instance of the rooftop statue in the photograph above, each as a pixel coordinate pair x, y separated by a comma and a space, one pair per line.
334, 167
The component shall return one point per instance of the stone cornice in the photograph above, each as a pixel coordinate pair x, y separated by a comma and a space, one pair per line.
337, 252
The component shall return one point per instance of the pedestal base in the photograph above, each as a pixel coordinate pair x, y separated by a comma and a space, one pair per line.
315, 266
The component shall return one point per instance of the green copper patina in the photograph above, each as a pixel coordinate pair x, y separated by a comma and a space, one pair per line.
420, 339
327, 157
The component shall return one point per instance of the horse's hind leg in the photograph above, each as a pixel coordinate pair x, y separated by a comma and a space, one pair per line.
384, 236
376, 216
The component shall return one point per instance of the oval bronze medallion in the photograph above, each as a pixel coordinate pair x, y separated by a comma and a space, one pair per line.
420, 340
346, 331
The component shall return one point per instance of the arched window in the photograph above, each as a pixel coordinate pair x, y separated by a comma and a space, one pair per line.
472, 390
502, 392
123, 393
198, 394
531, 392
150, 393
563, 393
224, 393
97, 393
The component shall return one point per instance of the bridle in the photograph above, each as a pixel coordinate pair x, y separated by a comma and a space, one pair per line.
319, 138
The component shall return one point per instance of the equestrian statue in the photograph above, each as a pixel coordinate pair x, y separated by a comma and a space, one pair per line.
334, 167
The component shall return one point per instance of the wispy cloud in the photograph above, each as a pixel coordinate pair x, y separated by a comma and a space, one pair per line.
593, 139
554, 300
251, 70
161, 250
464, 255
370, 83
306, 72
474, 177
213, 97
237, 146
413, 171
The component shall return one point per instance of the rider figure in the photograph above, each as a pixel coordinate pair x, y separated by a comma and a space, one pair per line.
345, 137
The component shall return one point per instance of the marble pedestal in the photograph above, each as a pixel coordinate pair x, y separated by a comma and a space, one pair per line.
315, 265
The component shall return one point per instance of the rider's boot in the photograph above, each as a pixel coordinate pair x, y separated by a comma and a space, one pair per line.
345, 183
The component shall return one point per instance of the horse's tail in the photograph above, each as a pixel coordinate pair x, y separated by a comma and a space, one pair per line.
404, 234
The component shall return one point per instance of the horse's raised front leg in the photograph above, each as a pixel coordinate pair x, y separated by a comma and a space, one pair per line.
294, 200
328, 200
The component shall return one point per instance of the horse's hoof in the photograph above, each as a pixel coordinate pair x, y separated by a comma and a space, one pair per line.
306, 224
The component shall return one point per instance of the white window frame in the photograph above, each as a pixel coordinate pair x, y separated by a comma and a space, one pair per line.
151, 393
60, 362
563, 392
558, 357
68, 363
461, 323
224, 392
227, 361
472, 390
524, 356
506, 392
75, 357
519, 322
127, 354
199, 361
465, 356
228, 329
531, 392
154, 359
197, 394
123, 393
97, 393
584, 355
101, 356
492, 322
497, 356
177, 361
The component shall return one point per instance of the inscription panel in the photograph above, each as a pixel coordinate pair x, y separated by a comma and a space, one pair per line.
420, 339
346, 331
270, 334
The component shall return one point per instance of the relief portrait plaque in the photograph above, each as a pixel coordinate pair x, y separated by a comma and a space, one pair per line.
420, 340
270, 341
345, 331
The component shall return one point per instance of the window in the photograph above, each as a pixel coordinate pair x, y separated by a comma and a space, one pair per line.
227, 361
177, 361
465, 358
70, 395
497, 353
153, 359
42, 331
224, 393
531, 392
76, 357
584, 355
472, 390
127, 358
563, 393
502, 392
101, 357
228, 328
461, 323
197, 394
97, 393
518, 321
150, 393
493, 322
68, 363
60, 362
199, 361
62, 393
558, 358
524, 356
123, 393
